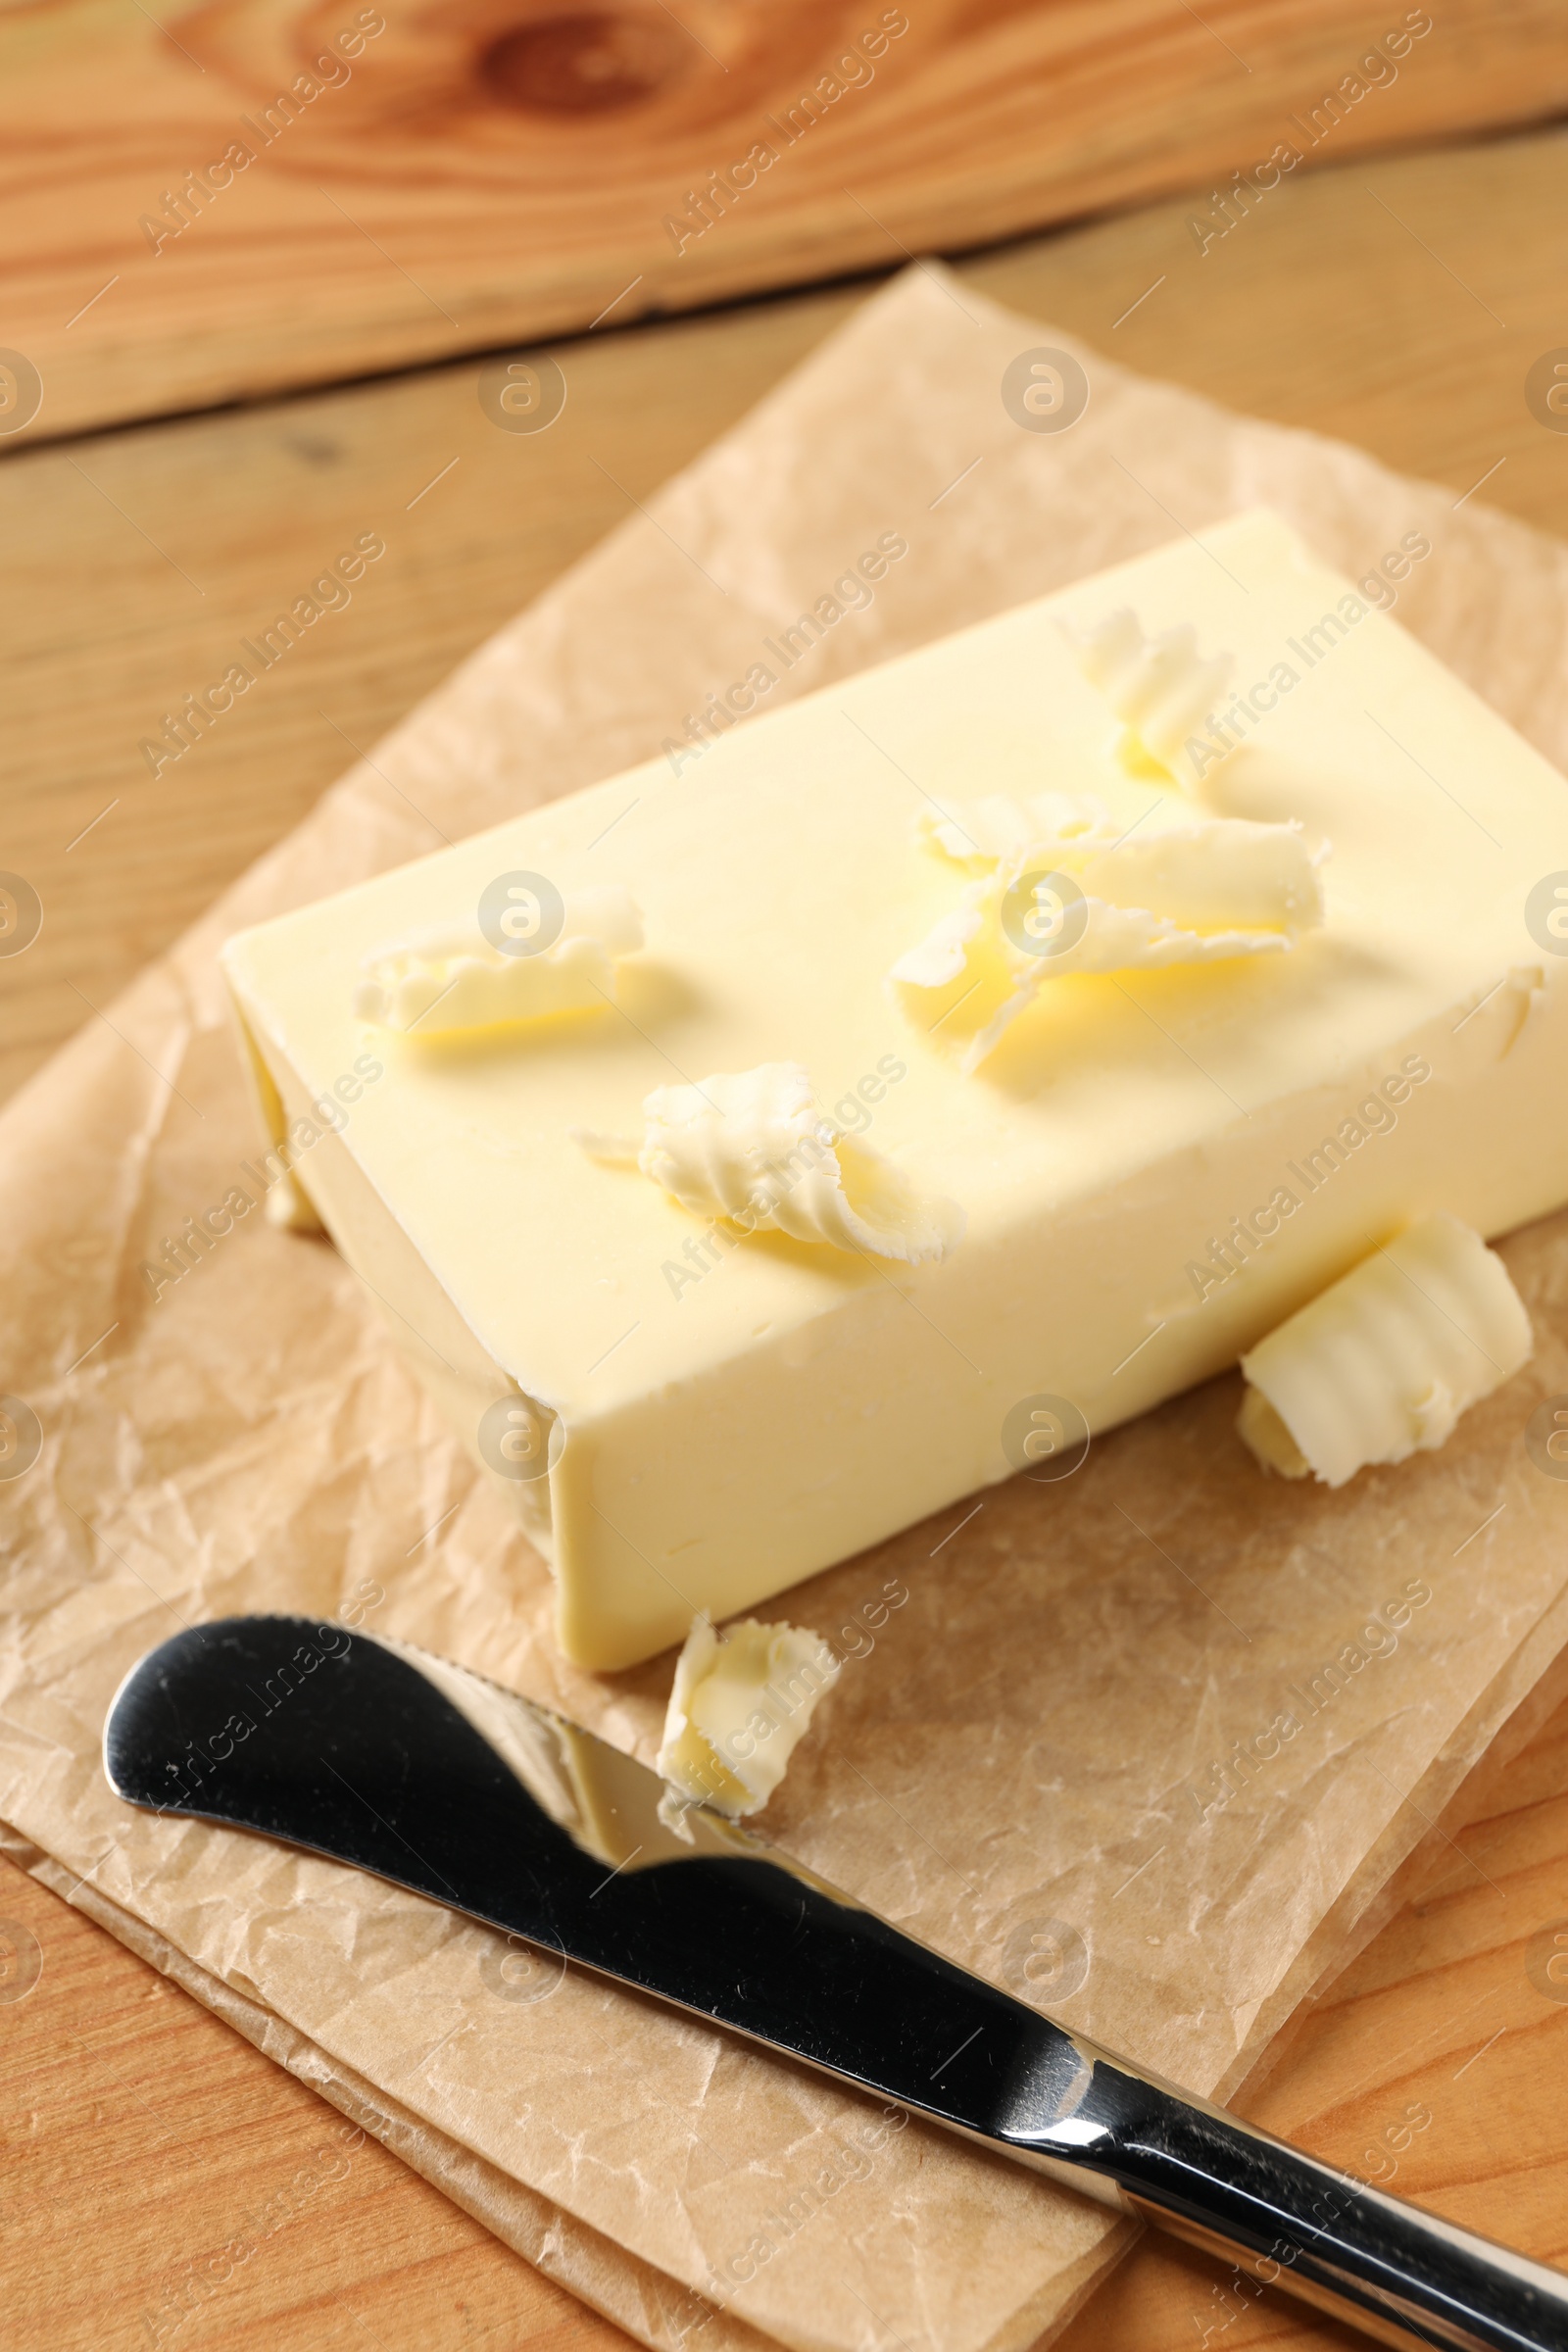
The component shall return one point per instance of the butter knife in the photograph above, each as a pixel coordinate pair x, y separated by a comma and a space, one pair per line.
398, 1763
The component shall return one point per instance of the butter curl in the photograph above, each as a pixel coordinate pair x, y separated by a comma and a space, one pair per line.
440, 982
752, 1148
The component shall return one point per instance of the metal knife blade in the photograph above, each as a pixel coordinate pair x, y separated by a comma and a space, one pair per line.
381, 1756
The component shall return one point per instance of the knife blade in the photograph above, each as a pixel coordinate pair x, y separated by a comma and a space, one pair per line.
424, 1773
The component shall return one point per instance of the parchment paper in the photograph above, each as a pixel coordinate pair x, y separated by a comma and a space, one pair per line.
1025, 1758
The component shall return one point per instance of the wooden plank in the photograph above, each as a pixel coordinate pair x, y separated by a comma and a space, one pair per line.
469, 178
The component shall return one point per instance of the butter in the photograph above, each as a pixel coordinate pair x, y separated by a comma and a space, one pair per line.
1000, 821
1157, 1167
1384, 1362
1161, 688
1192, 893
739, 1709
1218, 874
752, 1148
538, 960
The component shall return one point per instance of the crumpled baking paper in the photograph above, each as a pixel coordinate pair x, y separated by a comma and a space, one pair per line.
1053, 1749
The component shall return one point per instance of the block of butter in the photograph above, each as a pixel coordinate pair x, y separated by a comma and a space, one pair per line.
1146, 1169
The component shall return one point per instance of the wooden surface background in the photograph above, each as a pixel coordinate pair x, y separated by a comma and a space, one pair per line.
1399, 302
484, 172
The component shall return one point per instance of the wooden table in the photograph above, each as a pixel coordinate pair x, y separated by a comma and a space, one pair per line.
202, 202
1397, 303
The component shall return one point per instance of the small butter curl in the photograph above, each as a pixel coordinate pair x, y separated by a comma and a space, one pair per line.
752, 1147
1161, 688
727, 1686
440, 982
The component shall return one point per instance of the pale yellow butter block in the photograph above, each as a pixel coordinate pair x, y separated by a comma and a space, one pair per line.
1155, 1167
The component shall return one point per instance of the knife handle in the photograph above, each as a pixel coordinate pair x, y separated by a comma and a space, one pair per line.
1396, 2274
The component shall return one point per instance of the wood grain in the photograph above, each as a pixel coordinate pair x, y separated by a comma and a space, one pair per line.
137, 2134
496, 170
